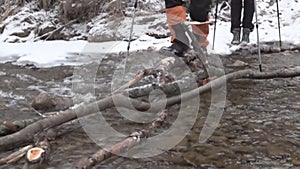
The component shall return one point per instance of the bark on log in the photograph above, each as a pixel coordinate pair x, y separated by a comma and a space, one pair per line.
169, 89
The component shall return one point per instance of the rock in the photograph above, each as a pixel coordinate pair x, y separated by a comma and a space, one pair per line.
194, 158
2, 105
43, 30
239, 63
243, 149
275, 151
296, 162
109, 33
22, 34
2, 27
45, 102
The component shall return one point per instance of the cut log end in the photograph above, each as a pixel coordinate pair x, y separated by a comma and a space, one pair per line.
35, 154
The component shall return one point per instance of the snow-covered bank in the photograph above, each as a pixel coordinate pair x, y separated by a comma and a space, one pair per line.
52, 53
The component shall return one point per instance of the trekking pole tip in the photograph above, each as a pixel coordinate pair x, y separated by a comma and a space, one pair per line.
260, 68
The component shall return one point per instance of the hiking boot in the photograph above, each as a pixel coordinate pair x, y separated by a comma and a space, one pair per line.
245, 37
176, 49
180, 43
236, 36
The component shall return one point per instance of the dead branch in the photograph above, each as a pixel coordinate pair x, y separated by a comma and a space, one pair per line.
11, 127
137, 78
15, 156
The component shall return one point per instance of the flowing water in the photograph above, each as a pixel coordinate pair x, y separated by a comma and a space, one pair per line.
260, 127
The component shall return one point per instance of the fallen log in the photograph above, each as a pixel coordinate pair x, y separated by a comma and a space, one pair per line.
27, 134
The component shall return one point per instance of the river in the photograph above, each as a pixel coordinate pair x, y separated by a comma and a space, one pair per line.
260, 126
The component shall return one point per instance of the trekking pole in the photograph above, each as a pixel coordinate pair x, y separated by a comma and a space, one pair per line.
130, 34
215, 28
258, 44
278, 23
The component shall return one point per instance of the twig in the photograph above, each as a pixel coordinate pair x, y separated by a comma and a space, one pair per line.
137, 78
10, 126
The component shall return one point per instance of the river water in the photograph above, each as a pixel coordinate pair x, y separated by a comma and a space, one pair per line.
260, 126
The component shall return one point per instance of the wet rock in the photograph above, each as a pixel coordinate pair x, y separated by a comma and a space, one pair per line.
239, 63
244, 149
218, 139
275, 151
98, 35
45, 102
2, 105
296, 162
2, 73
194, 158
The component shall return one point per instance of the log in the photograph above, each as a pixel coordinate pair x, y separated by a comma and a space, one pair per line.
27, 134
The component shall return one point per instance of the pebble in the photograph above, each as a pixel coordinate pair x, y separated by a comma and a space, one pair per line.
239, 63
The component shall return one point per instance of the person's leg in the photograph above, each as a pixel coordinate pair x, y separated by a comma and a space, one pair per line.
248, 14
176, 15
247, 19
236, 9
199, 12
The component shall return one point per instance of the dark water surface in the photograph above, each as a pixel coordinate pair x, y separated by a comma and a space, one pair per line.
260, 127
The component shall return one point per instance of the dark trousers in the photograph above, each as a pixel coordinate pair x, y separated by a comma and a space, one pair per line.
236, 10
199, 9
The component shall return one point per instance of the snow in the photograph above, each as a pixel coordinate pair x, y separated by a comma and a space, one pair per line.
54, 53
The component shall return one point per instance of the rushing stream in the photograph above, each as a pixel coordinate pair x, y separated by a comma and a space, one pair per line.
260, 127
